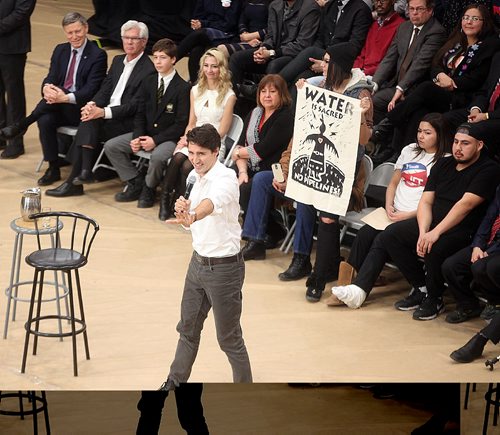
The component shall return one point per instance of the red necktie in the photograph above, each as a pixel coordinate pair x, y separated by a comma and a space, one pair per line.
68, 83
494, 97
495, 227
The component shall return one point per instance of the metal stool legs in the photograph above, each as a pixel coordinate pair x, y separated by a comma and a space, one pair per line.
35, 408
488, 397
73, 320
12, 292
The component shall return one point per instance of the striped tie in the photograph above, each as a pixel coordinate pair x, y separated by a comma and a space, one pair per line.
159, 92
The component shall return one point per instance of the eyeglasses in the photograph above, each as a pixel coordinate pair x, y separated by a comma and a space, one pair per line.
131, 38
418, 10
472, 18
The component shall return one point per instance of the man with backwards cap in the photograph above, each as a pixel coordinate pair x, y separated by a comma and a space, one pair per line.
453, 203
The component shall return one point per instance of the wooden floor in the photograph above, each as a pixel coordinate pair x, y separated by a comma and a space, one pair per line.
263, 409
133, 284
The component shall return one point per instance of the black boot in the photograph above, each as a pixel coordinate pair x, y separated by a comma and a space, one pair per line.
147, 197
470, 351
315, 288
132, 191
254, 250
299, 268
167, 202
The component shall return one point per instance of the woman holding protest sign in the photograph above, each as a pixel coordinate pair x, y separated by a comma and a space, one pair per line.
340, 78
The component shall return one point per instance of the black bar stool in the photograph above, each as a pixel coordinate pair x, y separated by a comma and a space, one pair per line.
69, 255
38, 404
491, 401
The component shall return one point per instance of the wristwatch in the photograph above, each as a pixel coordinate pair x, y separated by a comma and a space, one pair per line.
272, 54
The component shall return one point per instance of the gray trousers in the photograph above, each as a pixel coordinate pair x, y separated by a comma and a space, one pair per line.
118, 151
218, 287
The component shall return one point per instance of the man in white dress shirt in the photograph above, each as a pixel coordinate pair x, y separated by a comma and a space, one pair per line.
216, 272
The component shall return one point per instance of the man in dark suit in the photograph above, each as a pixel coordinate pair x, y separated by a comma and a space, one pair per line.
159, 123
291, 27
15, 42
111, 113
341, 21
408, 59
76, 71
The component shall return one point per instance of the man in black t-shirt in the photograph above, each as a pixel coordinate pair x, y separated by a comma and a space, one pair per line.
449, 212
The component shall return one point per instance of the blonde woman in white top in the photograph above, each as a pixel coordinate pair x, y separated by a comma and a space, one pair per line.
212, 102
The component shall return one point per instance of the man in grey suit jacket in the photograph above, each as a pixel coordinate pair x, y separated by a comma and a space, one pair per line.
15, 42
112, 109
408, 59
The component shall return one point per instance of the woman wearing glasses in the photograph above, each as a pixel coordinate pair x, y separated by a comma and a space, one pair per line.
458, 70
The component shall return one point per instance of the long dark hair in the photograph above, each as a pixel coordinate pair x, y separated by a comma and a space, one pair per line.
335, 75
458, 37
443, 135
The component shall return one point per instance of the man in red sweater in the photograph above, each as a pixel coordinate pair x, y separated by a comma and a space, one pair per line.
379, 36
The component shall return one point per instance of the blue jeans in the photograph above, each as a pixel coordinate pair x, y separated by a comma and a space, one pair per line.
259, 207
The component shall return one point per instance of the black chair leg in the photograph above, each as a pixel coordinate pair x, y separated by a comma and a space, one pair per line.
487, 397
467, 390
21, 407
28, 323
38, 311
82, 314
73, 329
46, 413
35, 415
495, 415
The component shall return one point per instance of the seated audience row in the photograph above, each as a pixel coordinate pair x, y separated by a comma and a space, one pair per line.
459, 69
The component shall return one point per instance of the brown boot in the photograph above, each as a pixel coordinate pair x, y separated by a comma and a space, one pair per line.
347, 273
333, 301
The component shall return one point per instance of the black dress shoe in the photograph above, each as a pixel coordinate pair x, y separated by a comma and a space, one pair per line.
168, 385
470, 351
254, 250
85, 177
299, 268
65, 189
384, 155
248, 91
11, 131
51, 176
12, 152
383, 132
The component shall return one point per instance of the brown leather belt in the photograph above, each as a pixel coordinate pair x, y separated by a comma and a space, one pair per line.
210, 261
